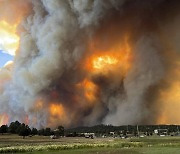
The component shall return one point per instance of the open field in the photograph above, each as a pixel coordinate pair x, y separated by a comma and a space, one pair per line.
45, 145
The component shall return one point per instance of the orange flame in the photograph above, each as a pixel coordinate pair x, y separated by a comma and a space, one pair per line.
102, 61
170, 104
4, 119
170, 101
89, 89
26, 120
117, 57
57, 110
9, 40
57, 114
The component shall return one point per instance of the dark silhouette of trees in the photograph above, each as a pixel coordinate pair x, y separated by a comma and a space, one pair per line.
61, 130
99, 130
41, 132
24, 130
13, 127
47, 132
34, 131
3, 129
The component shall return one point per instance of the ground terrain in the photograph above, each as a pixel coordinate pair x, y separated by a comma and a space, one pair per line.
45, 145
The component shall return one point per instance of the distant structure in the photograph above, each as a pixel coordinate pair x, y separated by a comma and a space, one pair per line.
161, 132
89, 135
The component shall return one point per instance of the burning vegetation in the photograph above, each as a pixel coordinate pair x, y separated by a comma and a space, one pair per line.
89, 62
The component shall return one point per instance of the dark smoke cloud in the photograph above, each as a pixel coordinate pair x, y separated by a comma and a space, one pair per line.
54, 43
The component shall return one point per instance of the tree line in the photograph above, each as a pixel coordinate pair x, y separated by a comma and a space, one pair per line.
126, 129
24, 130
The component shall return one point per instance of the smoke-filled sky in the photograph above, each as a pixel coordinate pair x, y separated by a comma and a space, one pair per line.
86, 62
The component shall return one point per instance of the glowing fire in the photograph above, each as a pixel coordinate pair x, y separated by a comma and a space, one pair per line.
57, 110
117, 57
26, 120
9, 40
89, 89
102, 61
170, 101
57, 114
4, 119
170, 104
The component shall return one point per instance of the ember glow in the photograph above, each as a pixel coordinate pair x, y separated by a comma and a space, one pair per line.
85, 63
171, 104
3, 119
56, 110
57, 113
117, 57
103, 61
89, 89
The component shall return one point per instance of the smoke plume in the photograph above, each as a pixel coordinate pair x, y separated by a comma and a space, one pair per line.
85, 62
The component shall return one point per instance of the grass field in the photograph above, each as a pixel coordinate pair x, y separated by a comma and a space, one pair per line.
45, 145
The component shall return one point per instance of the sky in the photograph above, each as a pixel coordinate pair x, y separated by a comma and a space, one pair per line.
4, 57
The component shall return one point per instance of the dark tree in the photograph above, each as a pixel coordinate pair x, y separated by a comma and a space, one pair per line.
41, 132
14, 127
47, 132
34, 131
75, 134
61, 130
3, 129
24, 130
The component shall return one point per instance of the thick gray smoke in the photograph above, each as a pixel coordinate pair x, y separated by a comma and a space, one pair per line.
44, 86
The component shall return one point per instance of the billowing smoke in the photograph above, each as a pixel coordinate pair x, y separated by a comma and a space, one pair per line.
85, 62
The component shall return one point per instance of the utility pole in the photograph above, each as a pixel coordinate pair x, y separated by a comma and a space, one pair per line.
178, 129
138, 130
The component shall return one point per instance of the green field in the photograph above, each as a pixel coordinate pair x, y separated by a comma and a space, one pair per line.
45, 145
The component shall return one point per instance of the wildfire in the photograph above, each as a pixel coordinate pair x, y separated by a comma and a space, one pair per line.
9, 40
170, 100
89, 89
57, 110
26, 120
57, 114
4, 119
102, 61
117, 57
170, 104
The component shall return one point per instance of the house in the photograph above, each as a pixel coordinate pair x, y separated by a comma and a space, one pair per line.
161, 132
89, 135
